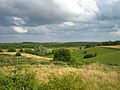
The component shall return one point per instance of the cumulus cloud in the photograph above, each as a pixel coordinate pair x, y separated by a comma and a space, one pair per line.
16, 21
20, 29
61, 19
116, 33
37, 12
46, 11
17, 24
108, 9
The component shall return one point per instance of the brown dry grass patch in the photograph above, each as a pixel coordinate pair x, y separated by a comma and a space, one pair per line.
113, 46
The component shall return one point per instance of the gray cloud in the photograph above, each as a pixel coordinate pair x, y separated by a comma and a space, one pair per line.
108, 9
36, 12
61, 20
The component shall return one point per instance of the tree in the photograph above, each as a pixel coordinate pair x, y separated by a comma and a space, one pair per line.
18, 54
28, 50
88, 56
54, 50
1, 50
80, 47
88, 46
11, 50
62, 55
95, 54
40, 51
84, 52
21, 50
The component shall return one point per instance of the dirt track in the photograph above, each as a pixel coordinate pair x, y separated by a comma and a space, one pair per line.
28, 55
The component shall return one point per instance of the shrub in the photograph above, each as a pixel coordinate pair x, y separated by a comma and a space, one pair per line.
18, 54
84, 52
18, 82
28, 50
40, 51
21, 50
11, 50
9, 60
1, 50
88, 56
88, 46
80, 48
54, 50
73, 49
66, 82
48, 53
62, 55
95, 54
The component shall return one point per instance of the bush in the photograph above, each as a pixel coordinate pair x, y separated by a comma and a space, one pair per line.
18, 82
95, 54
53, 51
88, 56
1, 50
88, 46
66, 82
48, 53
11, 50
62, 55
18, 54
30, 51
9, 60
21, 50
41, 51
80, 47
84, 52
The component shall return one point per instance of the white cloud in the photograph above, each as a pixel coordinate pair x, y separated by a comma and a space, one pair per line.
84, 10
59, 18
19, 29
108, 9
18, 21
115, 33
48, 11
68, 23
37, 12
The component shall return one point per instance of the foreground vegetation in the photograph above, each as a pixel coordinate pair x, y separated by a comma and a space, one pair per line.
52, 77
39, 75
56, 68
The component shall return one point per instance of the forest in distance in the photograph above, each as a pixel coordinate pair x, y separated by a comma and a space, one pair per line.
57, 44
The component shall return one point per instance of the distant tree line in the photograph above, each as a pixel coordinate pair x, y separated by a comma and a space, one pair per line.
56, 44
47, 45
109, 43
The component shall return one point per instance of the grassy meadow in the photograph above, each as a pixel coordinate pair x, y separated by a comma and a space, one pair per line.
104, 55
32, 72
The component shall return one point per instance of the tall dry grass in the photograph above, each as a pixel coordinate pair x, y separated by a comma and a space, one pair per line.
90, 77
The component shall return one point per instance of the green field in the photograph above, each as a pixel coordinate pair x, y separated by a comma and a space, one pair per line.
32, 72
104, 55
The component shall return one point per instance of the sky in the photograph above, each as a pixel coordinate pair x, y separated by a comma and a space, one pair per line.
59, 20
